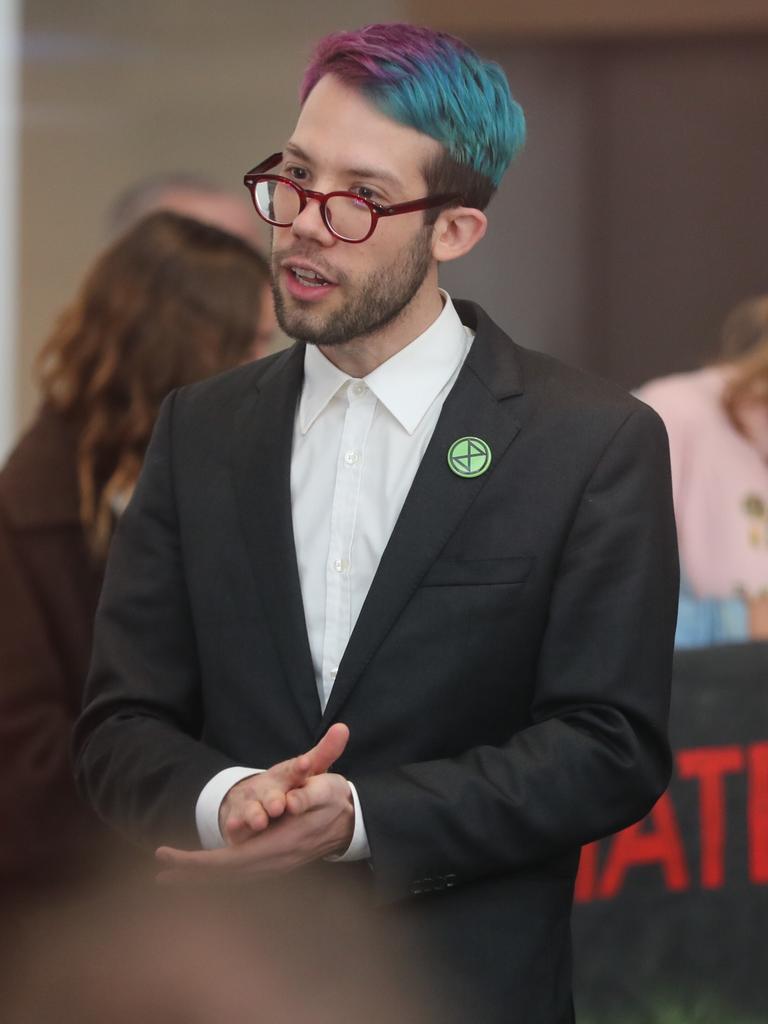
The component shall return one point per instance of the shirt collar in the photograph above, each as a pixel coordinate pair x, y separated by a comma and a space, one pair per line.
406, 384
321, 382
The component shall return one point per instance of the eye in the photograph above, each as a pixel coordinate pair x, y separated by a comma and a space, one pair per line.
366, 193
295, 172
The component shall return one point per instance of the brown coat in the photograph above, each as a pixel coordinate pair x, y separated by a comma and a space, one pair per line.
49, 587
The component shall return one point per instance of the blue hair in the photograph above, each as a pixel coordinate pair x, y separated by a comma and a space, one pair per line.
432, 82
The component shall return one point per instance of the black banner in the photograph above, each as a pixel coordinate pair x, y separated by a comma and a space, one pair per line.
671, 915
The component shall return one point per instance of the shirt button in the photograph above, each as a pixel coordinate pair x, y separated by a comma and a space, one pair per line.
358, 388
341, 565
351, 458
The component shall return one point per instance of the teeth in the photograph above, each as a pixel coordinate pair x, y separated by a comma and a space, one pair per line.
308, 277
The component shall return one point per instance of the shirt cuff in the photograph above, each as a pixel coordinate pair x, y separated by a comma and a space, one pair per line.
358, 848
209, 803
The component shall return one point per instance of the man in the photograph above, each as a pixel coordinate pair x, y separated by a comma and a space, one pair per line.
415, 551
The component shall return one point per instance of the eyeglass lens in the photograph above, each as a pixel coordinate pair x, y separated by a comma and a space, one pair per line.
280, 203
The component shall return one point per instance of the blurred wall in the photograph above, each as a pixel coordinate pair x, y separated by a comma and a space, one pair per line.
532, 271
573, 18
633, 220
114, 91
637, 214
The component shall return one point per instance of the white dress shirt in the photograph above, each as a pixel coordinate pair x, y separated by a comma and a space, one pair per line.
357, 444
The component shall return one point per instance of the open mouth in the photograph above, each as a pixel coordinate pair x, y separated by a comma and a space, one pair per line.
305, 284
309, 278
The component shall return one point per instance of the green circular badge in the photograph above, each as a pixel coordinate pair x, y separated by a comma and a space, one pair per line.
469, 456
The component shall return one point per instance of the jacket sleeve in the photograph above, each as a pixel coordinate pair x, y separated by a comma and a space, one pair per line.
140, 761
595, 756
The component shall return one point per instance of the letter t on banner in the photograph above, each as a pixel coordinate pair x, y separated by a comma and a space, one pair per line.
709, 765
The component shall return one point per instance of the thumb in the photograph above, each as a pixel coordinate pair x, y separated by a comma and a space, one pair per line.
329, 749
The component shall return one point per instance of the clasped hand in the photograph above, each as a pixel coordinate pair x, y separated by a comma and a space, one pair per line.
274, 822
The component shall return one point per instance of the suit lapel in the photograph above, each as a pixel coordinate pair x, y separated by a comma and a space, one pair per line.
438, 499
262, 480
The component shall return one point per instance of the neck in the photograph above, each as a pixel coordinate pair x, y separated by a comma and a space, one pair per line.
360, 356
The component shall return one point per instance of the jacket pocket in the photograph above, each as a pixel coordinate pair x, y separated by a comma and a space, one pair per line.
455, 572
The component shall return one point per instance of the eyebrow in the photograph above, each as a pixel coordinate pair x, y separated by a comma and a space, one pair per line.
376, 173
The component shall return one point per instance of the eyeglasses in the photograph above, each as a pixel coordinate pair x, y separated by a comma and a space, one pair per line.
348, 216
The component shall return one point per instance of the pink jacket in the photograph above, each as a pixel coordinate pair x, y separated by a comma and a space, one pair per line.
720, 484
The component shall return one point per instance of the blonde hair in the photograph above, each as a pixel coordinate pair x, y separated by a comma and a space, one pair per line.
744, 347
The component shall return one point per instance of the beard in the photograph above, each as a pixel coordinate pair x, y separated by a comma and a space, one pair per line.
376, 300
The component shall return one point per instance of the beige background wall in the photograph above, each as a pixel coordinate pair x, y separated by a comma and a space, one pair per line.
113, 91
594, 18
634, 219
637, 215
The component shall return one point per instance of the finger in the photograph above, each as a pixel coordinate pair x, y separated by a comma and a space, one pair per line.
273, 800
298, 801
198, 862
250, 818
170, 856
329, 749
258, 854
237, 828
294, 772
245, 818
255, 815
224, 859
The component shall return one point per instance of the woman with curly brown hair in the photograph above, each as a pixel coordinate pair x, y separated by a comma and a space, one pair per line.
170, 302
717, 421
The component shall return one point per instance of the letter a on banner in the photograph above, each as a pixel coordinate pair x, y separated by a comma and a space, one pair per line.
662, 844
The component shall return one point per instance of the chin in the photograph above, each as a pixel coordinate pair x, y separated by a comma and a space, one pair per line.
301, 326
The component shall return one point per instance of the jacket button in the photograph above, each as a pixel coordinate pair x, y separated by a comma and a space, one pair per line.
415, 888
440, 883
450, 881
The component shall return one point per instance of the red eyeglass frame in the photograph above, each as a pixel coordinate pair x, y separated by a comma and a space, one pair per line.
256, 174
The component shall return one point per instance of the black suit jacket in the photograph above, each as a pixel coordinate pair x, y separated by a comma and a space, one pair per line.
506, 684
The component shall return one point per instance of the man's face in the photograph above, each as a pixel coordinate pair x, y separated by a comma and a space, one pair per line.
328, 291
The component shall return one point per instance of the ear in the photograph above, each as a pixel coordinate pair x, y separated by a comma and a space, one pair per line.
456, 231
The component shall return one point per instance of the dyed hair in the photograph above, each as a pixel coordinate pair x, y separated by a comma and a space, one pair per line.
170, 302
435, 83
744, 348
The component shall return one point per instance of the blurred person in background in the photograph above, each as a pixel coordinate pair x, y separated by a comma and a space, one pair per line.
170, 302
198, 197
120, 952
191, 195
717, 422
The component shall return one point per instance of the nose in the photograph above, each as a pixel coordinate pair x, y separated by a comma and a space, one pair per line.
309, 224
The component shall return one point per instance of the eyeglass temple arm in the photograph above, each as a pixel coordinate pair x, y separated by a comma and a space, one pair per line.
265, 165
420, 204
